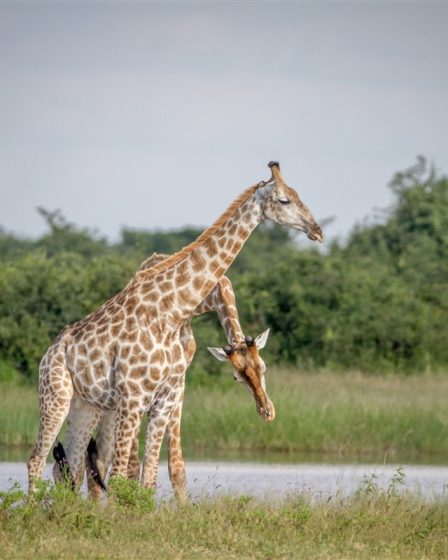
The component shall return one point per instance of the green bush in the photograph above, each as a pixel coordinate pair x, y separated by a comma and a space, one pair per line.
8, 373
130, 494
378, 301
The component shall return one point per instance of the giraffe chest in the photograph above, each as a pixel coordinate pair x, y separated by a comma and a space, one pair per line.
159, 372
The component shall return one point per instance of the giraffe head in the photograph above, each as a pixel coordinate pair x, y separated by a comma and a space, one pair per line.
282, 205
249, 368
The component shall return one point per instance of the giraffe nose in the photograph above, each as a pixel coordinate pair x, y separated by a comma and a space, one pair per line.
317, 234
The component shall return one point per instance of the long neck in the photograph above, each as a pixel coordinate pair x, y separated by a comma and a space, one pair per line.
184, 280
222, 300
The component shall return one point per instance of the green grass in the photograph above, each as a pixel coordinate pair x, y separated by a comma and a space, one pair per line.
19, 414
333, 413
369, 524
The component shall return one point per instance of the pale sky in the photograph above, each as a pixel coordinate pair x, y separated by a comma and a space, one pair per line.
157, 115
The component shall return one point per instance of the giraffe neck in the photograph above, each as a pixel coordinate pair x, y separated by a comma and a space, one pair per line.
225, 306
222, 300
180, 283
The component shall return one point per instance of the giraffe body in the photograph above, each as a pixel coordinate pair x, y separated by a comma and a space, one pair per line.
128, 355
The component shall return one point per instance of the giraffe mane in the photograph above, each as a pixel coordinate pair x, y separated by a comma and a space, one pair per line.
205, 235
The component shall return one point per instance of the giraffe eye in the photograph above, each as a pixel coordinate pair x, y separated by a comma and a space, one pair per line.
283, 201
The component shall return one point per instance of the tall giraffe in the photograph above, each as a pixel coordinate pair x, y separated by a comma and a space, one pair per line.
128, 354
249, 369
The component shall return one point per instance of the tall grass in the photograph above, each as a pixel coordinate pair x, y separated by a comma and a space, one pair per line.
19, 414
342, 413
326, 412
370, 524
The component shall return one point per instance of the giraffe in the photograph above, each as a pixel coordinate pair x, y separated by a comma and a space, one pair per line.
249, 369
128, 354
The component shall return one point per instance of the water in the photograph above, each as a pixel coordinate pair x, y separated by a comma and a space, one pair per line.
274, 481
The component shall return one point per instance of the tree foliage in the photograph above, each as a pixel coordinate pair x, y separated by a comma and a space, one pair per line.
376, 302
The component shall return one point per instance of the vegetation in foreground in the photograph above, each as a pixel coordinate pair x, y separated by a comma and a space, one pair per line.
349, 413
369, 524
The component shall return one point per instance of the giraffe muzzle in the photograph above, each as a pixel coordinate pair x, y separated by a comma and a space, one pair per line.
316, 234
267, 411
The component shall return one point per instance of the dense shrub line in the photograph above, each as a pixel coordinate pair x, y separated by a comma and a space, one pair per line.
376, 301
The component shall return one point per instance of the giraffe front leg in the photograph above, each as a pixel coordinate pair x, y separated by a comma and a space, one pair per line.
155, 430
126, 429
158, 419
176, 465
134, 462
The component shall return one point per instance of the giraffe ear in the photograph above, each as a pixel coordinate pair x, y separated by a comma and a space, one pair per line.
218, 353
261, 339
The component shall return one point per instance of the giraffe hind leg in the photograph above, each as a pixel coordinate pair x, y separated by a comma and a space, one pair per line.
92, 464
62, 463
56, 391
104, 450
82, 420
99, 456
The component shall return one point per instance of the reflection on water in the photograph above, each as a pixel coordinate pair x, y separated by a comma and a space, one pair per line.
300, 457
14, 453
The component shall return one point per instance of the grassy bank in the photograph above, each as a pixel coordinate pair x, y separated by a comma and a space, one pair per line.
370, 524
336, 413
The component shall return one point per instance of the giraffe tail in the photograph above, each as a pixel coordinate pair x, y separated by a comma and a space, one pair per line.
92, 456
61, 459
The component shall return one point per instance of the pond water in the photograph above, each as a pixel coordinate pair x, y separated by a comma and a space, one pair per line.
274, 480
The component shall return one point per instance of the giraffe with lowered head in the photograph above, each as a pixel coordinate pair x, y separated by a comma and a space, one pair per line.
128, 355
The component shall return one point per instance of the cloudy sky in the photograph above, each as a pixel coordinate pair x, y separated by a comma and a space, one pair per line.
156, 115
